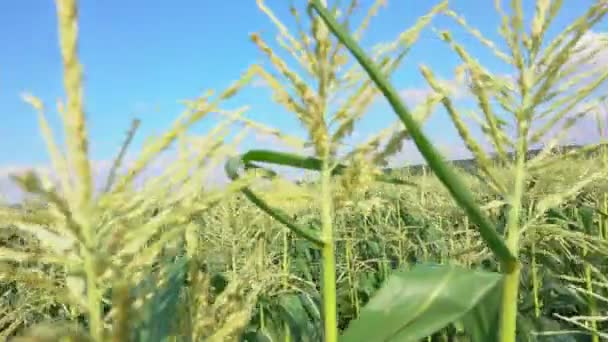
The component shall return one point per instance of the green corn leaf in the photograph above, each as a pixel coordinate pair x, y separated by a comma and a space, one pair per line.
160, 312
294, 313
416, 303
232, 169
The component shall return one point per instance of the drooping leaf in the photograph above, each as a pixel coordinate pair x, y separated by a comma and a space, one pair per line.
416, 303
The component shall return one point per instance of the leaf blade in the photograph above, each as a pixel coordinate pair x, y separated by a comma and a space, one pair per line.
416, 303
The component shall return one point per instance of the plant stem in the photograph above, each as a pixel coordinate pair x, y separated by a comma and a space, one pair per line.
93, 298
508, 323
535, 281
329, 258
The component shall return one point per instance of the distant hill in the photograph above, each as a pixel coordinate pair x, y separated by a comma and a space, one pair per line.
470, 165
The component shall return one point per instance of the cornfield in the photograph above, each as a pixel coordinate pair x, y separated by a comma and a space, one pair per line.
512, 249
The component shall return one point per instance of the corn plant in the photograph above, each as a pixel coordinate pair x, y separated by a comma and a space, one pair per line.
108, 251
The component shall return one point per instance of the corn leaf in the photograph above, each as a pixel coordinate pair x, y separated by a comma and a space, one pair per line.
416, 303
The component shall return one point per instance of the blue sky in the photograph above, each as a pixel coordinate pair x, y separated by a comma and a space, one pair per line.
141, 57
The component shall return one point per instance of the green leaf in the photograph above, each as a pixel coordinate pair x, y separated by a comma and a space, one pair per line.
295, 315
586, 214
160, 312
246, 161
481, 323
416, 303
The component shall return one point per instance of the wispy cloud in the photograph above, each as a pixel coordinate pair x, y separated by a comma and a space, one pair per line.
455, 88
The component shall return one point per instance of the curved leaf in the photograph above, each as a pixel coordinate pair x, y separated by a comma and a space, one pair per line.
246, 161
416, 303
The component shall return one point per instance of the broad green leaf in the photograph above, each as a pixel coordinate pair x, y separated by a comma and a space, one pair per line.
416, 303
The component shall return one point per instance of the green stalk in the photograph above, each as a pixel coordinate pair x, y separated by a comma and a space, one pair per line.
508, 321
329, 258
93, 297
456, 186
535, 284
262, 318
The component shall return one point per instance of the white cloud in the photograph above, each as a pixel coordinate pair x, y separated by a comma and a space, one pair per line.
259, 83
591, 42
456, 89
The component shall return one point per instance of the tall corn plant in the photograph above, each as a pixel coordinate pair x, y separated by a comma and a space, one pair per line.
524, 101
104, 246
323, 60
547, 94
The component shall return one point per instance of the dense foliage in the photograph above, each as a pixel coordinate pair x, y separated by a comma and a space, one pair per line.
514, 248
